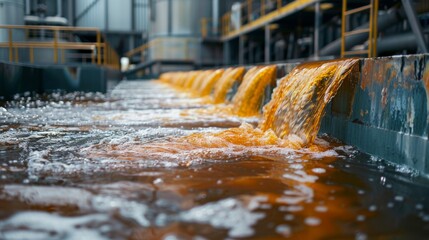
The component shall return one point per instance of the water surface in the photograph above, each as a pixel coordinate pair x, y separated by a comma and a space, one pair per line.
53, 185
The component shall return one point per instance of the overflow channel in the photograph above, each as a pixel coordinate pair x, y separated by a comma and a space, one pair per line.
220, 154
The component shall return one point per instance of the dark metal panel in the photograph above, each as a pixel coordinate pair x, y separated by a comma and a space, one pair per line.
267, 43
415, 25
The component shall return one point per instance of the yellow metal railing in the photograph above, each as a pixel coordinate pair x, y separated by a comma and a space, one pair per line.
207, 28
251, 10
169, 48
371, 51
142, 49
62, 42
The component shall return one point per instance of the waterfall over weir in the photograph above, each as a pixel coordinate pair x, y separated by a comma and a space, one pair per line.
292, 117
161, 159
290, 120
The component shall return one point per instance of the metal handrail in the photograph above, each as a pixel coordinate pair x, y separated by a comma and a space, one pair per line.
154, 43
141, 48
59, 28
249, 10
100, 51
372, 31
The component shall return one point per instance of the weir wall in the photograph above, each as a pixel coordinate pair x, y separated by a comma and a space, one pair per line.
382, 109
19, 78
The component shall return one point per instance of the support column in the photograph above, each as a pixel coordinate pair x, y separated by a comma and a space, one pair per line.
241, 49
215, 16
106, 16
267, 44
251, 52
415, 25
226, 53
317, 21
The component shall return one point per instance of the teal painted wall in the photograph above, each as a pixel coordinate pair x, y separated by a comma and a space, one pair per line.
19, 78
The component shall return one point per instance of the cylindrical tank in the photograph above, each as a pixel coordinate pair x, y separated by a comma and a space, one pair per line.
160, 18
179, 17
176, 26
11, 13
53, 7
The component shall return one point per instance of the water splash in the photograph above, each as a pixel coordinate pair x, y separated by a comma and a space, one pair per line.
291, 119
226, 82
298, 103
248, 99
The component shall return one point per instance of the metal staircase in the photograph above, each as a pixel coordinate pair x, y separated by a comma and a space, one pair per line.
372, 8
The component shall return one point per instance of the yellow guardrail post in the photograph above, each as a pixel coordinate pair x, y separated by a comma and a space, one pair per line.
203, 27
228, 22
374, 29
98, 47
10, 45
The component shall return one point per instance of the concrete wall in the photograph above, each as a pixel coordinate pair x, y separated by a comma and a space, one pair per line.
383, 110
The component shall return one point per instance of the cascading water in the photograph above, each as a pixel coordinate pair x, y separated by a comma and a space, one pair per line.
298, 103
128, 165
292, 117
248, 99
225, 83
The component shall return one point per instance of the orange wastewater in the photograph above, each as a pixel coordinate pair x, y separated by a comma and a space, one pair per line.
196, 155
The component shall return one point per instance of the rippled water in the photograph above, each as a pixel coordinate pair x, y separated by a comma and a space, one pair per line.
54, 185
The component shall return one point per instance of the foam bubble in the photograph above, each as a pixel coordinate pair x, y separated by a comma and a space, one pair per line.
300, 176
399, 198
312, 221
228, 213
284, 230
42, 225
321, 209
318, 170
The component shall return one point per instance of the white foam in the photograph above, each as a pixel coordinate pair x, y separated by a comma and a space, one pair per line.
300, 176
318, 170
284, 230
74, 197
312, 221
298, 194
399, 198
228, 213
42, 225
360, 218
321, 209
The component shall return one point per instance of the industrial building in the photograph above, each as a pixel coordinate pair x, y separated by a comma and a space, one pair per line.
214, 119
164, 35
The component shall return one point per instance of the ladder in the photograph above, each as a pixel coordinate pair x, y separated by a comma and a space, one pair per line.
371, 51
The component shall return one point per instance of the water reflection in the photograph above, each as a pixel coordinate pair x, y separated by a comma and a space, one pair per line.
57, 182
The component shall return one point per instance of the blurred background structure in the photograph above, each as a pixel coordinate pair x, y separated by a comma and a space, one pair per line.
165, 35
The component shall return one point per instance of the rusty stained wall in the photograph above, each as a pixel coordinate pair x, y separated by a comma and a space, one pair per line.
383, 110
